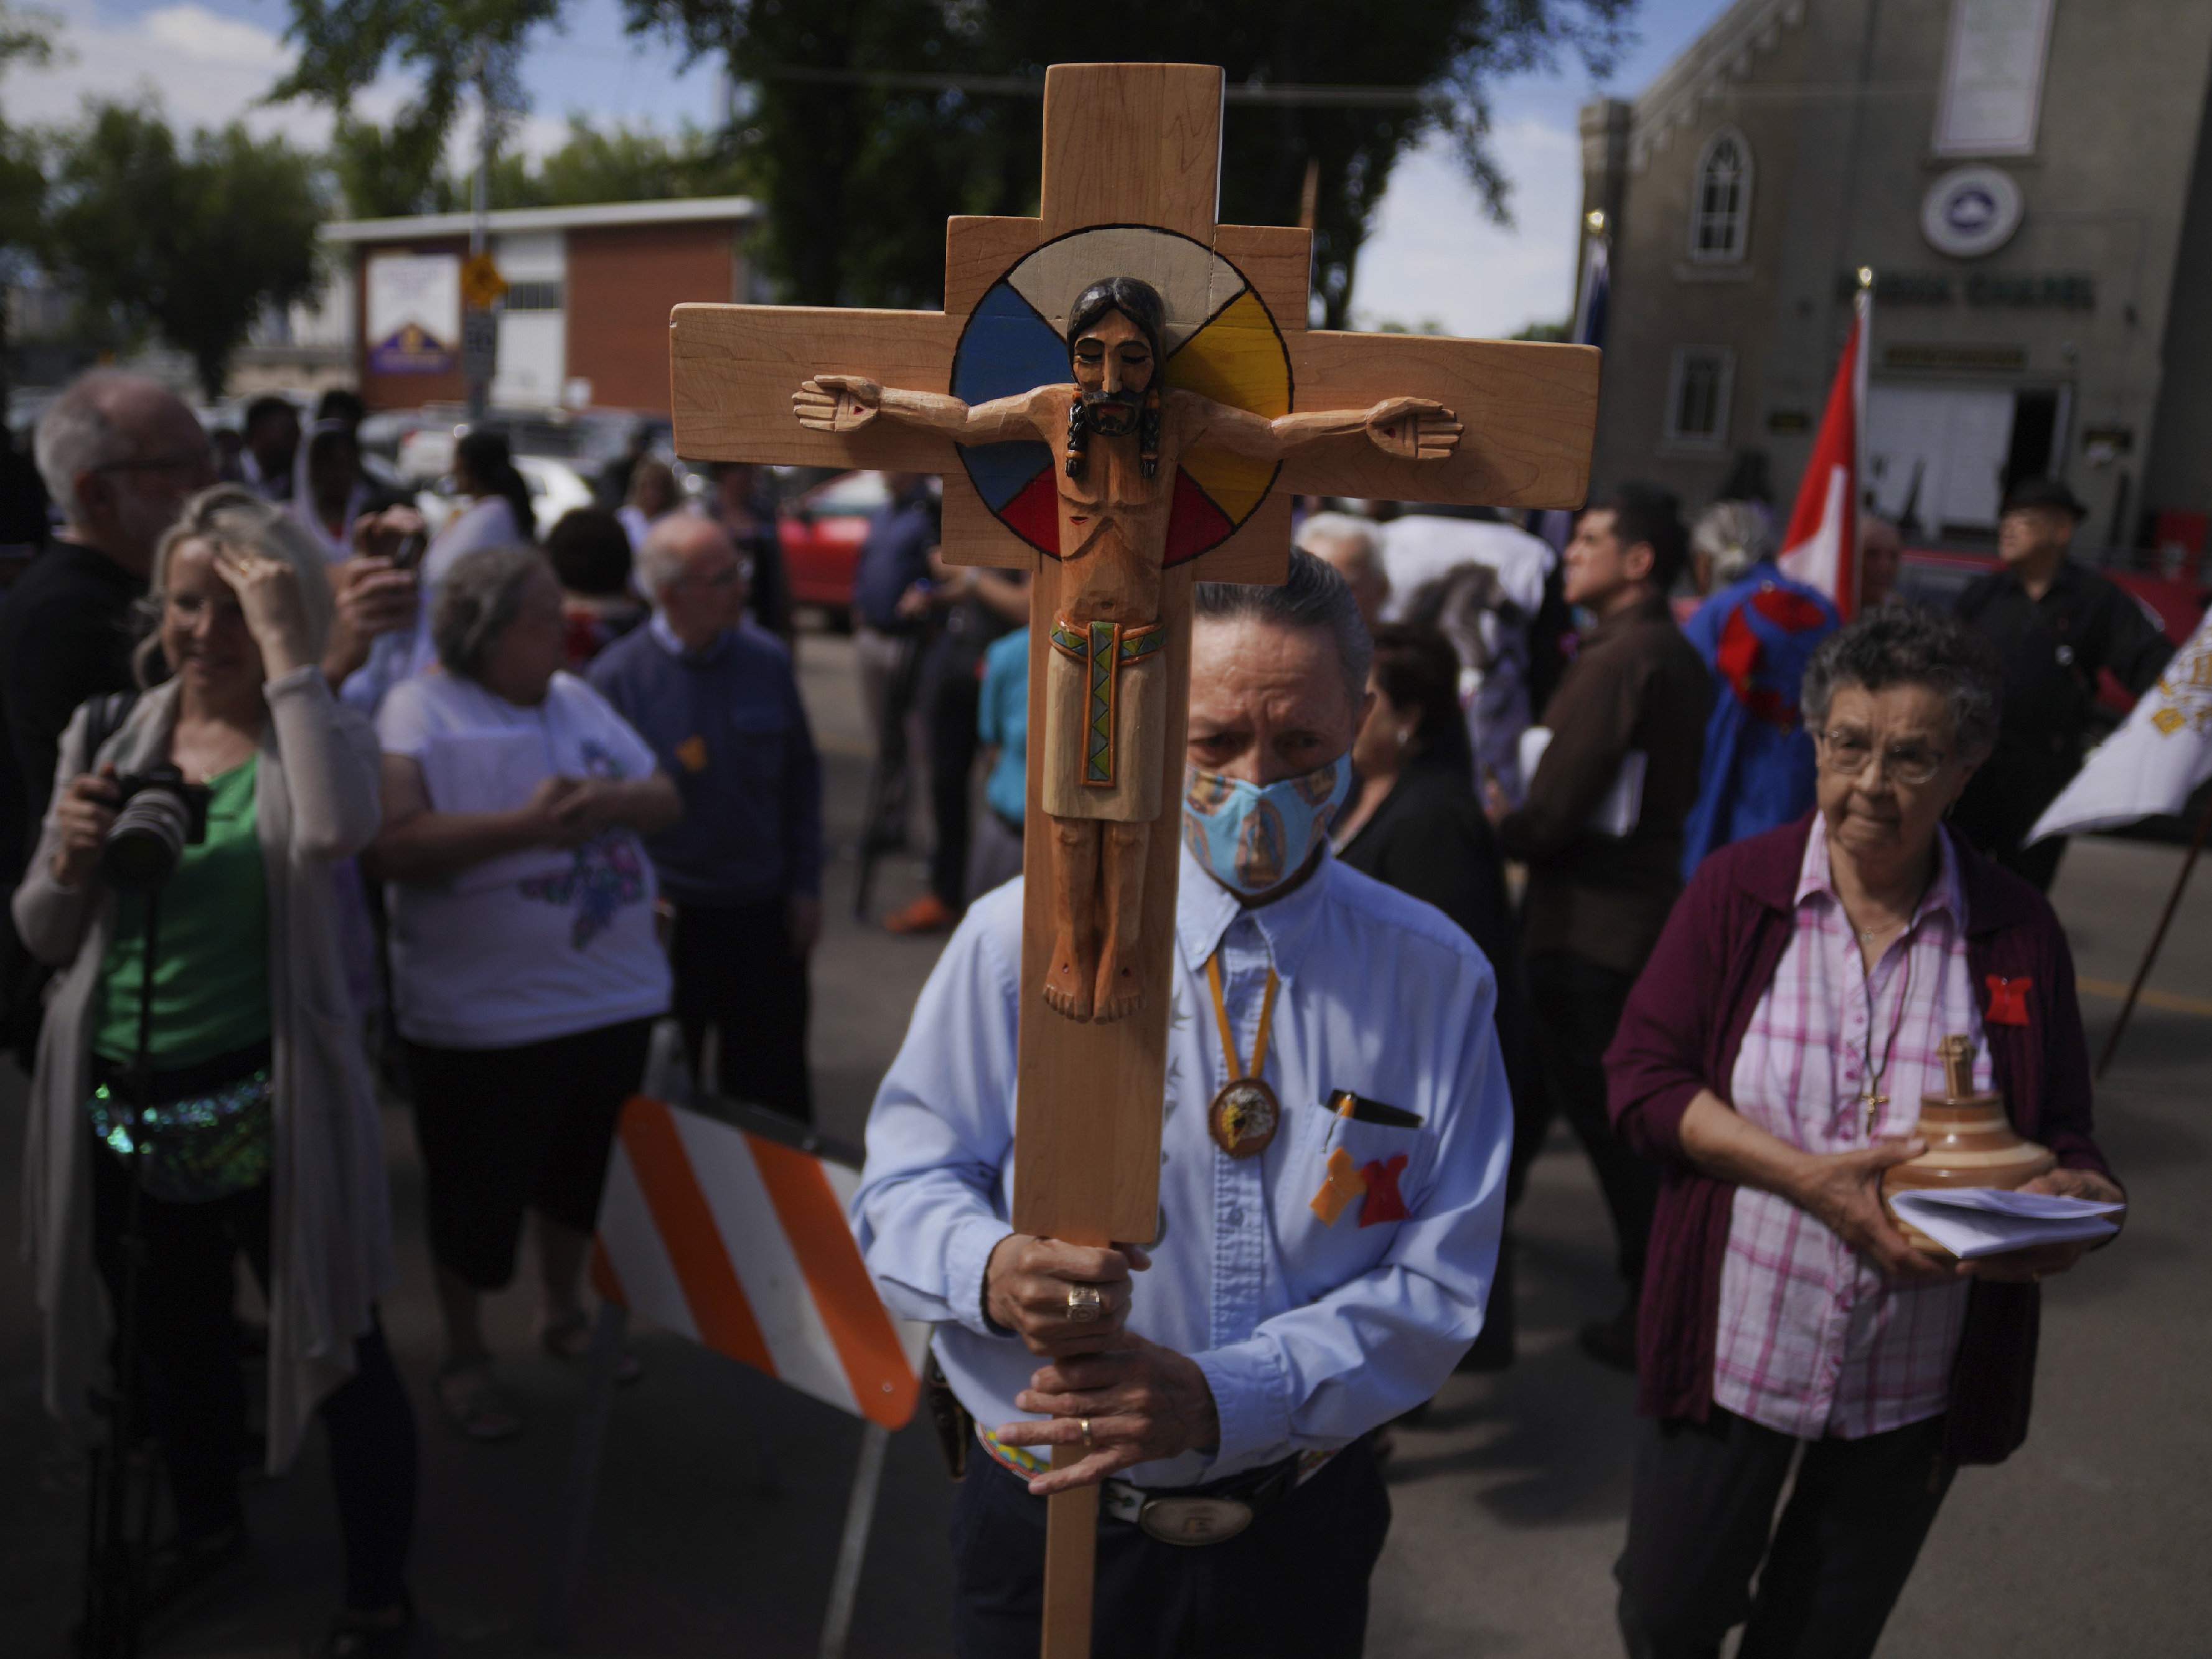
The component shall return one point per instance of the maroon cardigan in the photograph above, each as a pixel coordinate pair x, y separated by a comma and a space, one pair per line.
1680, 1032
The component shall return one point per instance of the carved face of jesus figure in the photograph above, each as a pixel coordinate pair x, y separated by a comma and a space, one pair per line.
1113, 367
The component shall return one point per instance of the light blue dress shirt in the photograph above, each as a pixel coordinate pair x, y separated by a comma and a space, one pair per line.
1309, 1334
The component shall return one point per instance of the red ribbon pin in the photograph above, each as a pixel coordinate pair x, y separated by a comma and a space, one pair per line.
1383, 1202
2008, 1001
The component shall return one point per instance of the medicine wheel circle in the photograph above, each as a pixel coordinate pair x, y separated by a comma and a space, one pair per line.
1221, 341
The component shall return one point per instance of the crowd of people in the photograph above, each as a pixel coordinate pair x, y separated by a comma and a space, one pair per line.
478, 807
426, 795
1742, 919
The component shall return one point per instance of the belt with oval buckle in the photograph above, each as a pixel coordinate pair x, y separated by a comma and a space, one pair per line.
1193, 1518
1194, 1521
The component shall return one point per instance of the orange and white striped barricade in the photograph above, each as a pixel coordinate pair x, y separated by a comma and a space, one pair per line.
731, 1230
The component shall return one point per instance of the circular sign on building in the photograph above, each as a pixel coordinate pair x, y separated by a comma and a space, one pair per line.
1971, 211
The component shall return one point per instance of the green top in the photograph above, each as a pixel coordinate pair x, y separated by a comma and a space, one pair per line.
211, 983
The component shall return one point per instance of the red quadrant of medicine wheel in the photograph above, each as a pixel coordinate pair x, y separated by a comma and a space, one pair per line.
1195, 523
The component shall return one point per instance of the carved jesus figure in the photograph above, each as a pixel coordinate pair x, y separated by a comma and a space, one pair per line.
1116, 436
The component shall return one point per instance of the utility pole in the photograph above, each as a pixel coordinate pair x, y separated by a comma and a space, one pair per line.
479, 323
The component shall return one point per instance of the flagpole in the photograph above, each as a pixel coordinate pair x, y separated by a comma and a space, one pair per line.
1863, 333
1556, 524
2157, 939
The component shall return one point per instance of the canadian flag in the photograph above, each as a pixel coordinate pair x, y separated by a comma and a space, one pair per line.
1821, 549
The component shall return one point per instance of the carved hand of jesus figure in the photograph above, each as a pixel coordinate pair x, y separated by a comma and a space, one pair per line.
1116, 435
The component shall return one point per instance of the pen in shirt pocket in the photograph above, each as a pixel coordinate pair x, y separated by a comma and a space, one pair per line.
1360, 1110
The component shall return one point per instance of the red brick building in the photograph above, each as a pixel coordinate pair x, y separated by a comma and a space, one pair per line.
585, 322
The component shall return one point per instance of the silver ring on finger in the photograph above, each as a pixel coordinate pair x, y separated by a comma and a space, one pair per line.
1086, 1421
1085, 1303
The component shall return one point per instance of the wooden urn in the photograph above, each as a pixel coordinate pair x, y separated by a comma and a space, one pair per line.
1970, 1143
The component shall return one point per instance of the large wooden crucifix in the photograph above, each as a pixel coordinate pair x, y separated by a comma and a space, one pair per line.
1219, 422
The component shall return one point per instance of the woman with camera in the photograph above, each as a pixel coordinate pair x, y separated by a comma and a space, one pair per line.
223, 795
525, 970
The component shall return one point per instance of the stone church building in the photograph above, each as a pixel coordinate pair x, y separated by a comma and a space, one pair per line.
2030, 182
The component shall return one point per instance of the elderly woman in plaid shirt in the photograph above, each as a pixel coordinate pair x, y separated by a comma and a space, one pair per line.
1772, 1058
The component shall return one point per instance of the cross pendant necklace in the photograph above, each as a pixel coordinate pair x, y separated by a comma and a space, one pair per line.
1874, 1102
1870, 1094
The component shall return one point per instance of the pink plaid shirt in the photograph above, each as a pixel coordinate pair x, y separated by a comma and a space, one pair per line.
1814, 1341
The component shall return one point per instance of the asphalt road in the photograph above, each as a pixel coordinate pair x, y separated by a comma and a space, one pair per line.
724, 1494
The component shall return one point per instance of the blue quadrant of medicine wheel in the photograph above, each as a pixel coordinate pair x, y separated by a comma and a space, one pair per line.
1005, 349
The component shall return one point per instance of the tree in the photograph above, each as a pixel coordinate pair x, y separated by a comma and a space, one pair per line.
857, 166
26, 38
385, 173
631, 164
191, 244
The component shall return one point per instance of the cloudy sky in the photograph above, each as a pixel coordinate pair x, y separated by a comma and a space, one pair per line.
1432, 256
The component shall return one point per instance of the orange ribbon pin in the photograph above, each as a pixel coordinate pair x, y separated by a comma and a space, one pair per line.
1345, 1186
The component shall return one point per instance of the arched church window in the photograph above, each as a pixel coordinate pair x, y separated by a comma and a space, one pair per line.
1720, 212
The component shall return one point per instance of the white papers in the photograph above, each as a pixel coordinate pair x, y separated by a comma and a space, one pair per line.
1977, 1221
1617, 813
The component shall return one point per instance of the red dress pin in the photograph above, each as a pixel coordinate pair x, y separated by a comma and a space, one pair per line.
1383, 1203
2008, 1001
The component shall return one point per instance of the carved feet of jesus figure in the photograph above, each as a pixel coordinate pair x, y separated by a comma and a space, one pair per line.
1092, 978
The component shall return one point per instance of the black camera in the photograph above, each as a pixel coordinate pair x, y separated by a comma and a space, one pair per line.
160, 816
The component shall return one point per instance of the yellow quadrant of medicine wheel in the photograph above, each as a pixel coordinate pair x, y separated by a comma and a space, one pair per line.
1236, 359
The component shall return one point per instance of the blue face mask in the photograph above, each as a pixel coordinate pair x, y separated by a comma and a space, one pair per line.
1251, 839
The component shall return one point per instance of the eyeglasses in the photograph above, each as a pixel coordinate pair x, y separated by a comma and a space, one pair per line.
1846, 753
195, 460
728, 576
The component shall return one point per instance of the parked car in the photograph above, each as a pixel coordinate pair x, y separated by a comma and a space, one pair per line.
2174, 605
422, 440
554, 487
821, 530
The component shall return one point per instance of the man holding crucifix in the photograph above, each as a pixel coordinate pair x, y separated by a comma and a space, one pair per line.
1314, 1272
1255, 1025
1117, 437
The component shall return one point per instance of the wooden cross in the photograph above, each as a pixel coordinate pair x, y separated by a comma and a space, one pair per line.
1132, 154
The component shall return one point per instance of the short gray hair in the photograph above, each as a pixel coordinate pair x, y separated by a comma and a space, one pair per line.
1910, 645
1363, 534
476, 601
659, 562
76, 435
1734, 535
1312, 596
231, 515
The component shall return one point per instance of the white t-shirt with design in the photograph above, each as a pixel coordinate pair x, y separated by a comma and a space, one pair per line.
531, 944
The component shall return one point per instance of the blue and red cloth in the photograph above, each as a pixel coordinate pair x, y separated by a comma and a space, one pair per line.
1756, 635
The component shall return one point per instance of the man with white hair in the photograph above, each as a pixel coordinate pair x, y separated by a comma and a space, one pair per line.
1353, 547
119, 455
718, 702
1318, 1268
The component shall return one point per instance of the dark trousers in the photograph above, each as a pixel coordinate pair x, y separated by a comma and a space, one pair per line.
2005, 797
196, 1400
1699, 1526
735, 971
1292, 1585
955, 696
529, 1126
1577, 1008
